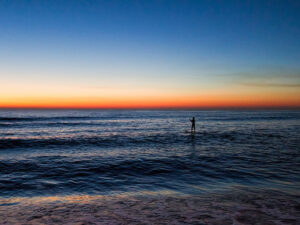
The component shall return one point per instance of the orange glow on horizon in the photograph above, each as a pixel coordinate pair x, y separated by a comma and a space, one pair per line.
154, 102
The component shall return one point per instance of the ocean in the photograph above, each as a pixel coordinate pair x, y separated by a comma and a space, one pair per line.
111, 153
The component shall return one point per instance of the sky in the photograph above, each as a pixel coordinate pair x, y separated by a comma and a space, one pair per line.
149, 54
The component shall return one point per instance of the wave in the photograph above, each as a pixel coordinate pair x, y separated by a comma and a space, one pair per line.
139, 138
118, 117
253, 118
15, 119
48, 171
102, 141
63, 173
50, 124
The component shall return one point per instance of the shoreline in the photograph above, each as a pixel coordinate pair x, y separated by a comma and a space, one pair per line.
237, 207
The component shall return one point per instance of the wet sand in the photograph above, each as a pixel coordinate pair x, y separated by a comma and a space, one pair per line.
242, 207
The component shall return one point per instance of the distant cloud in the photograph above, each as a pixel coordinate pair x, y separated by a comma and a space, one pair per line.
267, 84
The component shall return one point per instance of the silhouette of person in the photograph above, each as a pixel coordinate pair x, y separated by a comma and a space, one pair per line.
193, 128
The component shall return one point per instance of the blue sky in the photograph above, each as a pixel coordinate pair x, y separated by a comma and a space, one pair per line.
188, 47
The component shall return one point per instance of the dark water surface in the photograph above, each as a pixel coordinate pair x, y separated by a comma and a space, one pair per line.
94, 152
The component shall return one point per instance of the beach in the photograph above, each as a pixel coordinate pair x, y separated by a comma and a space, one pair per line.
239, 207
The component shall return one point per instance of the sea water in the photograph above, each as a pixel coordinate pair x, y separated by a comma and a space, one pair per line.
107, 152
146, 167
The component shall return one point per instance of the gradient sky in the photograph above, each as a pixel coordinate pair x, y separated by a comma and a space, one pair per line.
144, 54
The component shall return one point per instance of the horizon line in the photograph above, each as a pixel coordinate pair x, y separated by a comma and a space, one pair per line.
158, 108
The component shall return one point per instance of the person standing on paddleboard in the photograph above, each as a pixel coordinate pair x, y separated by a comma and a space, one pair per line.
193, 125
